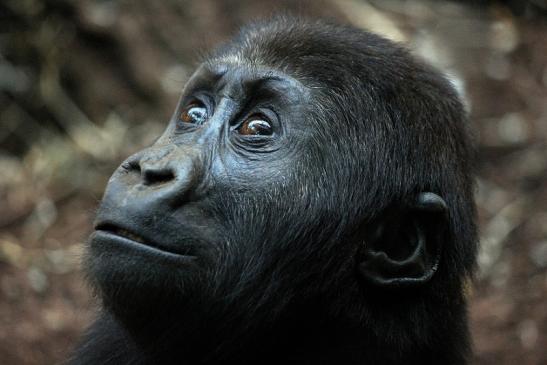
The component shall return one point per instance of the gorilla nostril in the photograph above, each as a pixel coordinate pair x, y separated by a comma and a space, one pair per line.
131, 166
157, 176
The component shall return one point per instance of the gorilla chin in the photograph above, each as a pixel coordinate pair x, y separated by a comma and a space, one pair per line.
117, 264
119, 260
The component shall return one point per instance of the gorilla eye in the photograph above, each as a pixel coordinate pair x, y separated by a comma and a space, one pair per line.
194, 113
256, 125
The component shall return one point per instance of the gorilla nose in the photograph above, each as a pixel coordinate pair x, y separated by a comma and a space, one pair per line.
163, 173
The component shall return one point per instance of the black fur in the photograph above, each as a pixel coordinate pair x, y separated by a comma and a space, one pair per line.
281, 227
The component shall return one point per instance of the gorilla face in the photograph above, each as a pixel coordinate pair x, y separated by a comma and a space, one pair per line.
256, 196
311, 193
220, 205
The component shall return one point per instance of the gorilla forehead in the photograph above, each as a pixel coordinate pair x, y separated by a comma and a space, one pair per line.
241, 82
314, 52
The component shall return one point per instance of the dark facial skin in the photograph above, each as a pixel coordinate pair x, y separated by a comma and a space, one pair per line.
234, 132
310, 202
199, 209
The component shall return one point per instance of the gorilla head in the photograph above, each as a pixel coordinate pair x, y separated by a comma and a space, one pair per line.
309, 202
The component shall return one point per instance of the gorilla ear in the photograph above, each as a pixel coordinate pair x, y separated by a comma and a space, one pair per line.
405, 251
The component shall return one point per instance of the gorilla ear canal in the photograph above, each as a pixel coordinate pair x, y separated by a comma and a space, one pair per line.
405, 251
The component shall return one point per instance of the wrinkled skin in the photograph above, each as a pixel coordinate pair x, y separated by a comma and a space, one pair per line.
309, 202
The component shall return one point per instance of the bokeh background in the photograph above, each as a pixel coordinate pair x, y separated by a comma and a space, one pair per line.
85, 83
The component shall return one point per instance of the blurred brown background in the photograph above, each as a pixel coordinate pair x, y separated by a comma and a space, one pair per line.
85, 83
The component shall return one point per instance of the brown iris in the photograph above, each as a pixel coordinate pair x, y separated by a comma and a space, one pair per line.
256, 125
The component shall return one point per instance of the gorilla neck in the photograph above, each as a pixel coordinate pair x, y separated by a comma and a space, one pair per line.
288, 342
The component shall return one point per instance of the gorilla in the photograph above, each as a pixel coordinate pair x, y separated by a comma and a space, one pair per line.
310, 202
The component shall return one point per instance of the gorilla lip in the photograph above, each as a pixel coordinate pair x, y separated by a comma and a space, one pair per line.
126, 235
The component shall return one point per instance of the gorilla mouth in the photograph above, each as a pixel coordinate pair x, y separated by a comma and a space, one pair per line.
118, 231
125, 236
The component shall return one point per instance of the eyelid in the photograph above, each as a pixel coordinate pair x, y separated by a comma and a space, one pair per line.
269, 112
201, 98
270, 116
